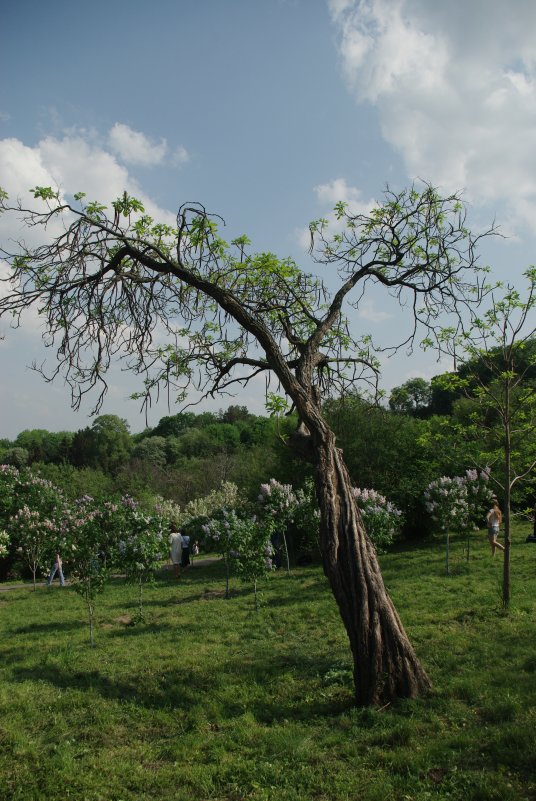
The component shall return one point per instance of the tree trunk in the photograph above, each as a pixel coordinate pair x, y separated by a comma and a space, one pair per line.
385, 664
506, 592
287, 559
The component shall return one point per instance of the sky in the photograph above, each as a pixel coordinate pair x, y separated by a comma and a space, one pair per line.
268, 112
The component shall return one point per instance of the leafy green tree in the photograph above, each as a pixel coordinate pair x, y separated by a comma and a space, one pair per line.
151, 450
174, 425
390, 452
106, 445
18, 457
254, 552
112, 442
76, 481
90, 531
196, 442
413, 397
234, 414
498, 356
232, 316
83, 449
32, 442
45, 446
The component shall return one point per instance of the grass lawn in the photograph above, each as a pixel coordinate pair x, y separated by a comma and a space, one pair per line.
210, 700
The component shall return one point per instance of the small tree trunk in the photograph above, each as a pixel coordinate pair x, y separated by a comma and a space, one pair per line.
447, 553
90, 610
90, 614
140, 598
226, 575
286, 552
385, 664
506, 593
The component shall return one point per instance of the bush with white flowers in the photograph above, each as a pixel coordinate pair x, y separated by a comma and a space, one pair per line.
140, 547
458, 503
4, 543
381, 518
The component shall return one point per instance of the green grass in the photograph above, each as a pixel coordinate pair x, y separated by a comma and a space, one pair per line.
212, 701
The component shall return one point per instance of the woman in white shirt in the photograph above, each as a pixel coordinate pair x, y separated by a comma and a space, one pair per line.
175, 541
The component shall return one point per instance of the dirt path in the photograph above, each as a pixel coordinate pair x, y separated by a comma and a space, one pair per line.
29, 585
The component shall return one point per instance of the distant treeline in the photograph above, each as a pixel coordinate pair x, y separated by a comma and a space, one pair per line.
425, 432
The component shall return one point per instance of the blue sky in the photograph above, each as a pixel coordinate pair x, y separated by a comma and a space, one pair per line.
267, 112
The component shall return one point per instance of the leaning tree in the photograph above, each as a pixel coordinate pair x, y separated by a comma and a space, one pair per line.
185, 310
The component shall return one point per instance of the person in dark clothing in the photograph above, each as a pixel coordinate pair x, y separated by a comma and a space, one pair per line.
185, 558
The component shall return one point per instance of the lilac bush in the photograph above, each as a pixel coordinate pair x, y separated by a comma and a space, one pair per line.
8, 479
479, 494
277, 502
223, 532
37, 509
85, 539
458, 503
140, 546
381, 518
307, 515
447, 502
254, 559
4, 543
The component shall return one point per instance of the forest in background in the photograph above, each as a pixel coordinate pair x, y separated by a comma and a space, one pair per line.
427, 430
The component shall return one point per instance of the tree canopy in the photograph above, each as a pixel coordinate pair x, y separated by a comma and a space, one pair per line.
187, 310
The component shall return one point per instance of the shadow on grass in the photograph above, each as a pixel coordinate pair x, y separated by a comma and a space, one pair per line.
185, 691
43, 628
209, 594
134, 629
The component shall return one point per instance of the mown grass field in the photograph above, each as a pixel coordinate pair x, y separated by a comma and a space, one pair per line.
210, 700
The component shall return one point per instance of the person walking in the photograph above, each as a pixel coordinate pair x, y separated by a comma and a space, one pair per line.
494, 520
56, 567
175, 540
185, 560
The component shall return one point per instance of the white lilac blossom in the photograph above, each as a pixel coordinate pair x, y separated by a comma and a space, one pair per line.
459, 502
381, 518
4, 543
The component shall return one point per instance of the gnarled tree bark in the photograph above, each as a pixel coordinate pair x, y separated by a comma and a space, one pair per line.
385, 664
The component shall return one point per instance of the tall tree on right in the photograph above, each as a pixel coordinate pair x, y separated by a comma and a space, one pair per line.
496, 361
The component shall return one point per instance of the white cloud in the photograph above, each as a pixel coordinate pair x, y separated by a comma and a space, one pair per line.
180, 156
133, 147
328, 195
336, 191
368, 311
74, 163
455, 87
